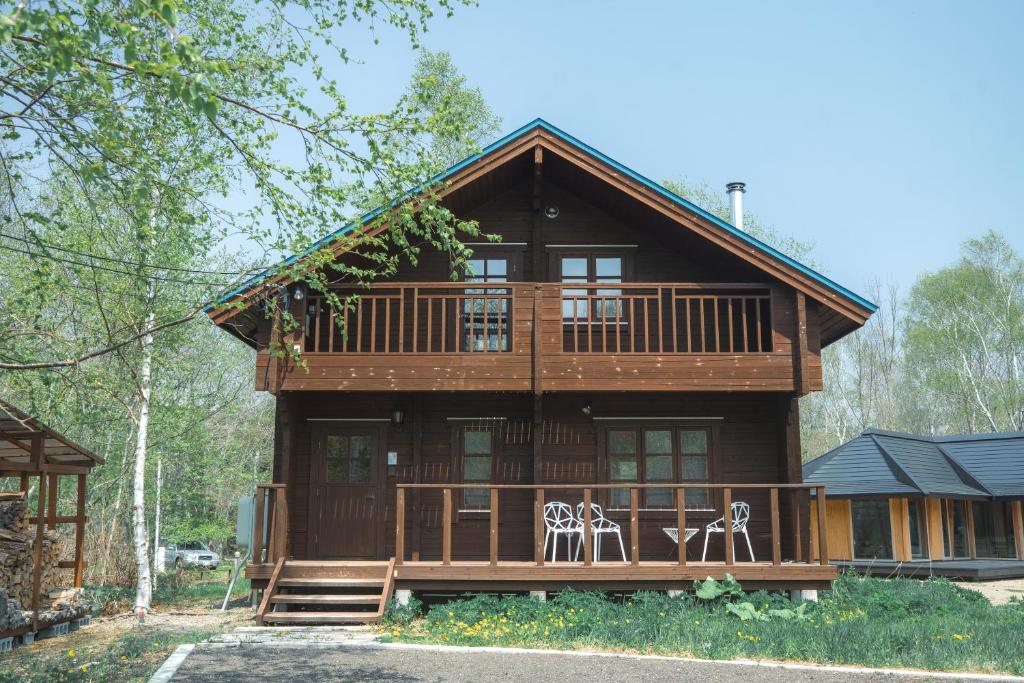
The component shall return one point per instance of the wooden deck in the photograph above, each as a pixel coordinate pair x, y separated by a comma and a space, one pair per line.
966, 570
524, 576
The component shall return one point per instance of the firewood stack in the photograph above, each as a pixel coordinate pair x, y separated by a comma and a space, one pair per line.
17, 559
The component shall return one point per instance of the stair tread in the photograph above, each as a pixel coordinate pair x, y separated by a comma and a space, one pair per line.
338, 581
321, 617
299, 598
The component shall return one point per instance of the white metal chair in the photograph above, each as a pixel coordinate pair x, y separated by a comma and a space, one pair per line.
599, 525
559, 520
740, 517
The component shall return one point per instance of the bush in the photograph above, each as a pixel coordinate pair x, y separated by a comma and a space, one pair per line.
874, 622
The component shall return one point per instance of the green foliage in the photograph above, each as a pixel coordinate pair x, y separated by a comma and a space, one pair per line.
402, 615
715, 202
867, 621
709, 589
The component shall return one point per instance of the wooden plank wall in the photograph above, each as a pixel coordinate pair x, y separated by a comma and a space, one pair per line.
838, 529
934, 510
649, 259
899, 521
748, 451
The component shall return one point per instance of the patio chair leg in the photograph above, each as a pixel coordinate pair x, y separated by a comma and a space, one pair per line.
749, 547
707, 537
554, 548
622, 547
547, 535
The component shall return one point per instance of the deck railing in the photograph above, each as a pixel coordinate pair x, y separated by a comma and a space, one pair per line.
798, 494
270, 524
459, 317
475, 317
669, 318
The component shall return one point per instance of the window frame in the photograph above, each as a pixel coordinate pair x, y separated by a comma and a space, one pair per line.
591, 256
640, 430
458, 442
503, 318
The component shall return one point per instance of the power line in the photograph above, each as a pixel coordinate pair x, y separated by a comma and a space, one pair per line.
112, 270
135, 264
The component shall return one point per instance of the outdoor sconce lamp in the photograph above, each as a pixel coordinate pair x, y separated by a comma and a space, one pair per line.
397, 417
587, 409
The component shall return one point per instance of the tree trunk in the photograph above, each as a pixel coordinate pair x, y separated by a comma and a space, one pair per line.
156, 519
144, 585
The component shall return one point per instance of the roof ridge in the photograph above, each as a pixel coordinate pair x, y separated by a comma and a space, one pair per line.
963, 472
895, 461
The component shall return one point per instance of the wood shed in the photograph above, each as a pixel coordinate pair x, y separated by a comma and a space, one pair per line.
40, 457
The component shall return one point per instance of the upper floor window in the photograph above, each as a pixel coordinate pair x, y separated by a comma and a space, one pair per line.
485, 310
584, 303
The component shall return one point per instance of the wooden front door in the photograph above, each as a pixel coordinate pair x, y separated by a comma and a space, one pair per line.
347, 496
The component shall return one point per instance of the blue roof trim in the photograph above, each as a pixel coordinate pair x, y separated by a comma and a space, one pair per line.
647, 182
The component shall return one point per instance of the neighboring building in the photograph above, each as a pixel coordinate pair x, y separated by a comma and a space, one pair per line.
901, 497
619, 344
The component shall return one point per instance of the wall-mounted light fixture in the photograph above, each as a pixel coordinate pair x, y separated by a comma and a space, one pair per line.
587, 408
397, 417
551, 211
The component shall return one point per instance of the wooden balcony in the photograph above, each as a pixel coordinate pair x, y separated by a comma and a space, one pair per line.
549, 337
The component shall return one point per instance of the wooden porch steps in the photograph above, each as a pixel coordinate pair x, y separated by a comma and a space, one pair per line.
327, 592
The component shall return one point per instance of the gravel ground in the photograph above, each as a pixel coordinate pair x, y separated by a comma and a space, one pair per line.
998, 592
346, 663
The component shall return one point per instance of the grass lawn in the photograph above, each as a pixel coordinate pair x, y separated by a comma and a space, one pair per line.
931, 624
116, 648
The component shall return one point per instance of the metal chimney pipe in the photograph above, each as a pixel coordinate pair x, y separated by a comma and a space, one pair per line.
735, 190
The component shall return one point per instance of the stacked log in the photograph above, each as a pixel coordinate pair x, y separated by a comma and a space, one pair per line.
17, 561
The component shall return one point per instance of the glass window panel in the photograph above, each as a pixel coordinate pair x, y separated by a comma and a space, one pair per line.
475, 270
579, 303
622, 469
694, 441
476, 498
622, 442
476, 468
359, 458
697, 498
657, 441
620, 498
336, 454
960, 548
658, 468
695, 468
608, 267
476, 441
573, 266
497, 267
659, 498
872, 530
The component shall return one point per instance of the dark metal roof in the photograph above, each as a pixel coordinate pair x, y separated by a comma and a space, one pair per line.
881, 462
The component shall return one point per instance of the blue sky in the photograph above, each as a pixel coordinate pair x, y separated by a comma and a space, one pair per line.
885, 133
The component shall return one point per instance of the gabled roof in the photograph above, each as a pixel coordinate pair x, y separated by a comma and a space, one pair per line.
881, 462
540, 132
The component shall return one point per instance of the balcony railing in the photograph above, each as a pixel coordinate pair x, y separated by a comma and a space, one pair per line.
421, 318
459, 318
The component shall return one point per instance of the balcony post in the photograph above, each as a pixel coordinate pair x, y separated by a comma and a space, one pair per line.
399, 525
727, 524
588, 535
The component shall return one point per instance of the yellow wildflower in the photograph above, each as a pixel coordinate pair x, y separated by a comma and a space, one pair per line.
71, 653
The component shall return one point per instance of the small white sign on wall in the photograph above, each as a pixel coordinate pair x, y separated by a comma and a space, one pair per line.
392, 458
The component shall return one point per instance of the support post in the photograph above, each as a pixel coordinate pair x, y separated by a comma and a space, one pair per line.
776, 534
727, 525
588, 534
37, 458
634, 526
80, 531
1018, 527
681, 524
399, 525
494, 528
417, 474
538, 527
822, 534
446, 537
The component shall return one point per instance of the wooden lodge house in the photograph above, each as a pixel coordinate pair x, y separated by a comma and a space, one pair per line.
923, 506
619, 345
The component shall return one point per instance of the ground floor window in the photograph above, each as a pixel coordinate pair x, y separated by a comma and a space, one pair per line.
652, 455
993, 530
961, 547
477, 450
872, 530
918, 530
